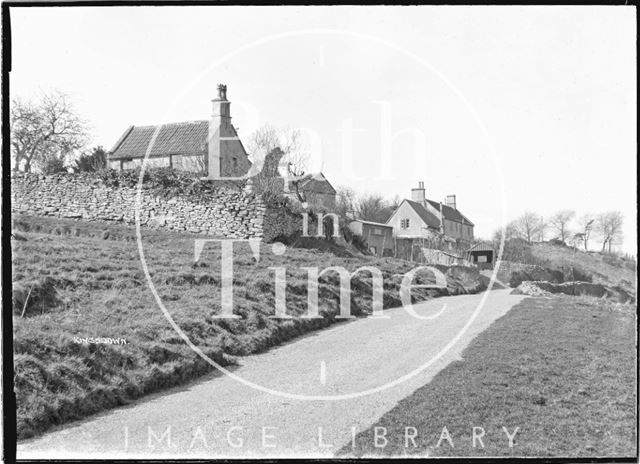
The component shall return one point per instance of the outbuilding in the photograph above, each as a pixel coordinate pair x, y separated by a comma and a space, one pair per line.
378, 237
482, 255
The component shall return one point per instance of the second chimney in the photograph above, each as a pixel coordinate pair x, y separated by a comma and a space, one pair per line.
417, 194
450, 201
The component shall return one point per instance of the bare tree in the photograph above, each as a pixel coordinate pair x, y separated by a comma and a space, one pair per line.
345, 200
542, 228
575, 240
559, 223
585, 224
294, 157
609, 226
372, 207
394, 204
510, 232
528, 225
44, 129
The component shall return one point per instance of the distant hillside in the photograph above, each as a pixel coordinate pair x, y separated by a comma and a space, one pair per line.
601, 268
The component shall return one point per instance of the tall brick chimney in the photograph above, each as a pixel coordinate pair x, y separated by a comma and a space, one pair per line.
219, 129
417, 194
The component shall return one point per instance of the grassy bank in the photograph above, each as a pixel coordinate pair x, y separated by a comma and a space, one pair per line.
562, 264
562, 370
77, 279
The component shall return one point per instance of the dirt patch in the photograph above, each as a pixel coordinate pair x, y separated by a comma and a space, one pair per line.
516, 273
541, 288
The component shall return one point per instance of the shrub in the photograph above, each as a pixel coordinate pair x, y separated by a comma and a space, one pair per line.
165, 182
34, 297
53, 165
91, 162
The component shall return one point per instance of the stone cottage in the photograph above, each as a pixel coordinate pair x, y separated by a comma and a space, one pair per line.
210, 146
424, 218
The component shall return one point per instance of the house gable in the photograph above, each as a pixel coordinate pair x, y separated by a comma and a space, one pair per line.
419, 220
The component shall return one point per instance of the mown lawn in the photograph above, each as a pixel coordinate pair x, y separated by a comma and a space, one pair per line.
78, 279
562, 370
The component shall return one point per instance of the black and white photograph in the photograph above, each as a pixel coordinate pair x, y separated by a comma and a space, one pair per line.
358, 232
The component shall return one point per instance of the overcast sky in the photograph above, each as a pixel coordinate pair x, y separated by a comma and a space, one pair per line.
531, 105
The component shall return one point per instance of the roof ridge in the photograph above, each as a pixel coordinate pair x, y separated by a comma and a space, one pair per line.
147, 126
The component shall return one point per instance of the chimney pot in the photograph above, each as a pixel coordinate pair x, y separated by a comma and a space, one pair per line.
222, 92
417, 194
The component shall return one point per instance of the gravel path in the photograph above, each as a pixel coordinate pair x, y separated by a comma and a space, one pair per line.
221, 417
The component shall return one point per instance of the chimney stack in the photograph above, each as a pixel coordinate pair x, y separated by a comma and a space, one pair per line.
450, 201
417, 194
219, 129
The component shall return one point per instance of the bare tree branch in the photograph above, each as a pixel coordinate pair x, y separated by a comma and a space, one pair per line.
293, 159
46, 129
609, 226
559, 223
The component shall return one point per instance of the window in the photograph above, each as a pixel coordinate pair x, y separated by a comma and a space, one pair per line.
482, 259
404, 224
377, 231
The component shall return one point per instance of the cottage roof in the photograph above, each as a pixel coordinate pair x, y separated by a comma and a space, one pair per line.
428, 218
450, 213
181, 138
371, 223
316, 183
482, 247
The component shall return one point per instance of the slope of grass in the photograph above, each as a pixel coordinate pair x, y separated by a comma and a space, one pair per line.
95, 287
562, 370
574, 265
603, 268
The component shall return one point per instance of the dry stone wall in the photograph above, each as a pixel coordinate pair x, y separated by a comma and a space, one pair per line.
229, 211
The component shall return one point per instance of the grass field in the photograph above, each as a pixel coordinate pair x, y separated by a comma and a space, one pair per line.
562, 370
77, 279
